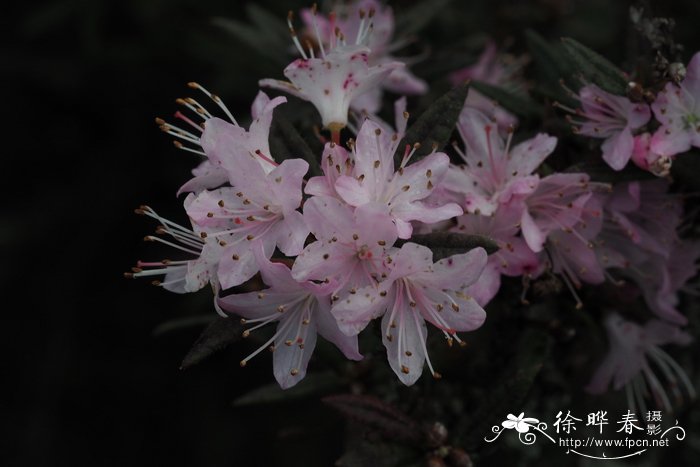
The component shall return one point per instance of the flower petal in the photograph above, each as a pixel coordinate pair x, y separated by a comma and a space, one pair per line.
405, 347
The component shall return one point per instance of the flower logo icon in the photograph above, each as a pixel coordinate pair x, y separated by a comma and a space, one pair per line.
521, 424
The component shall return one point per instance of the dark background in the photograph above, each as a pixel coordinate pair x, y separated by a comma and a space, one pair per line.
90, 383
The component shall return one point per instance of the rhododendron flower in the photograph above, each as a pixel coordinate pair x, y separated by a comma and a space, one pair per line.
556, 204
514, 258
494, 171
182, 276
371, 23
633, 358
301, 309
350, 246
335, 160
572, 251
610, 117
646, 213
332, 81
677, 108
494, 69
373, 180
214, 170
259, 206
416, 290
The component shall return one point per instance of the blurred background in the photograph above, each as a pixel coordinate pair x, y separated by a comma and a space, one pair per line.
94, 378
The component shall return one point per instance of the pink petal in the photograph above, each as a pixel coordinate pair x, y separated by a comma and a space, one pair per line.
289, 362
691, 82
669, 141
328, 217
285, 183
355, 311
323, 260
617, 149
456, 272
410, 259
407, 362
352, 191
486, 287
533, 235
467, 315
329, 330
528, 155
292, 233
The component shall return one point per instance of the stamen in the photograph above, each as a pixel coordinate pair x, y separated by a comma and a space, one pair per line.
216, 100
293, 33
314, 9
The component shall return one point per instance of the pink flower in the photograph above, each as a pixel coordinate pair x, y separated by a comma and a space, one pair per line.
640, 242
494, 172
491, 68
635, 356
259, 206
416, 290
334, 80
349, 247
181, 276
646, 213
301, 309
214, 170
370, 23
514, 258
373, 180
336, 161
612, 118
572, 252
557, 204
677, 108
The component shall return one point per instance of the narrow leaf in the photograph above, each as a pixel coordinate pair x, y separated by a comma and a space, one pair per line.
269, 25
596, 68
377, 414
286, 142
252, 38
217, 336
312, 385
411, 20
434, 127
519, 105
553, 64
444, 244
182, 323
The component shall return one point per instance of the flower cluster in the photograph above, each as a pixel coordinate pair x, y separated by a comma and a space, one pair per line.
339, 250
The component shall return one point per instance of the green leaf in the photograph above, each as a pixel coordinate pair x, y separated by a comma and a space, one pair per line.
411, 20
217, 336
435, 126
374, 413
286, 142
444, 244
553, 65
311, 385
517, 104
596, 68
549, 59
